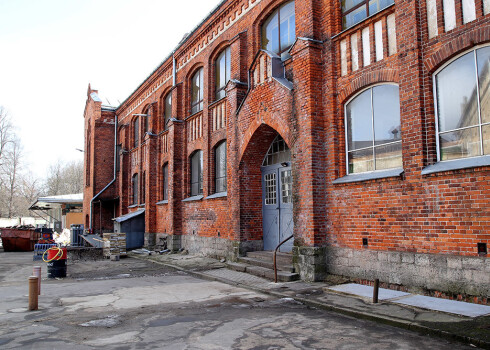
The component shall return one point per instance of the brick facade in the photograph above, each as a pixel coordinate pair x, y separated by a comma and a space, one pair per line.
422, 227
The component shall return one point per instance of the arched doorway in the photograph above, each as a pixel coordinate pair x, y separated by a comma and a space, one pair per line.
277, 192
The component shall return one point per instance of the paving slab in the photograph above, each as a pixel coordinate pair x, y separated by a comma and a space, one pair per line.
444, 305
367, 291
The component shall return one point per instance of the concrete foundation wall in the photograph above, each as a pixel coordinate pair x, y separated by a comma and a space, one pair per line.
445, 273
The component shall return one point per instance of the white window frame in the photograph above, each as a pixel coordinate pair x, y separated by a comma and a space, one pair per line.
372, 122
436, 111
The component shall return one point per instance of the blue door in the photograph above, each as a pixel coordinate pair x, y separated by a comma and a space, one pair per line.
277, 201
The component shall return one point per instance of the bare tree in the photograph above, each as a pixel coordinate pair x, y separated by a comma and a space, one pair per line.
64, 178
11, 170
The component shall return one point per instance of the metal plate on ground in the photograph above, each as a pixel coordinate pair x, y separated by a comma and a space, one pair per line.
444, 305
367, 291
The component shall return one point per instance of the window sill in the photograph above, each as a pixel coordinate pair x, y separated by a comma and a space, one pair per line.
133, 206
217, 195
374, 175
193, 198
457, 164
215, 102
165, 201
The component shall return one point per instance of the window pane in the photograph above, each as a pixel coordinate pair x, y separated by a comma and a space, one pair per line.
354, 17
286, 186
270, 189
348, 4
486, 139
220, 167
359, 122
268, 31
165, 182
456, 94
483, 57
389, 156
196, 173
168, 109
136, 127
361, 161
286, 15
386, 108
460, 144
378, 5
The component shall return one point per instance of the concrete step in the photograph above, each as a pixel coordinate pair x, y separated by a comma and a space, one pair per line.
267, 264
282, 276
282, 258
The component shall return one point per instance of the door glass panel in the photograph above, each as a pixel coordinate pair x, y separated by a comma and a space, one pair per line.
270, 189
286, 186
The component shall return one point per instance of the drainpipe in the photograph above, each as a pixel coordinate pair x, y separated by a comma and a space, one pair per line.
113, 179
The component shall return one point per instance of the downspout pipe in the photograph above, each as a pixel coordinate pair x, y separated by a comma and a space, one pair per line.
115, 173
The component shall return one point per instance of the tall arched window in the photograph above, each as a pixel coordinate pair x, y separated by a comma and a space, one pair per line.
196, 173
197, 91
462, 90
167, 110
220, 168
373, 132
143, 188
136, 132
165, 182
223, 72
279, 30
134, 189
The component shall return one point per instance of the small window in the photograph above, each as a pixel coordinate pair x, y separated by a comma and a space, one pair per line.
279, 30
165, 182
134, 186
373, 132
462, 91
220, 167
167, 112
197, 91
196, 173
354, 11
223, 72
136, 132
278, 152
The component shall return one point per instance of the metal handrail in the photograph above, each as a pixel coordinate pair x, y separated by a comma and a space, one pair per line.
275, 252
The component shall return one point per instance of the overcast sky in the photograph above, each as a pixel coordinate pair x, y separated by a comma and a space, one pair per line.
50, 50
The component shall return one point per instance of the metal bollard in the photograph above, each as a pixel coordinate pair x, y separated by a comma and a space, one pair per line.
33, 293
375, 291
36, 271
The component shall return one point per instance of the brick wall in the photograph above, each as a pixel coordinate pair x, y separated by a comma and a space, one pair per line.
443, 214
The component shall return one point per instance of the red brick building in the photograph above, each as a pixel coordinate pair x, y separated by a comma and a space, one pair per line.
360, 127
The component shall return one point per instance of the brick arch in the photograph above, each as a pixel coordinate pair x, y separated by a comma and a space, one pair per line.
463, 42
278, 124
379, 76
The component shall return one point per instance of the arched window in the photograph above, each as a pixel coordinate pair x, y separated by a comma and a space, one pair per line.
223, 72
136, 132
354, 11
165, 182
279, 30
134, 189
373, 133
167, 110
462, 90
146, 122
197, 89
196, 173
220, 168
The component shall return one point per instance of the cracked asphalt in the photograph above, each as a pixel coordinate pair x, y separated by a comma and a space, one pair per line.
136, 304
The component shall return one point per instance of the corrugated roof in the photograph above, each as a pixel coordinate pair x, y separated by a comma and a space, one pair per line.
129, 215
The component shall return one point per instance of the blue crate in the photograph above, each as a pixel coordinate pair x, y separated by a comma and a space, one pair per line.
39, 250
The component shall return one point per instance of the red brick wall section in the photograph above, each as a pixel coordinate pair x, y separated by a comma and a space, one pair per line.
447, 212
